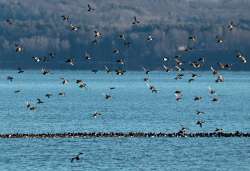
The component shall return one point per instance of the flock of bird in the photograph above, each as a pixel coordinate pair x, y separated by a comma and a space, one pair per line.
120, 69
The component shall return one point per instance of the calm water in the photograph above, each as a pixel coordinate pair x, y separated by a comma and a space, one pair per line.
132, 108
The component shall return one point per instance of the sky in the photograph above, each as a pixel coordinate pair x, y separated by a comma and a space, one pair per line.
39, 28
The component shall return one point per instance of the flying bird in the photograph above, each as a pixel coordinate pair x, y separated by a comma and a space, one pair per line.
10, 78
70, 61
39, 101
90, 8
96, 114
65, 17
200, 123
135, 21
120, 71
107, 69
45, 71
192, 38
241, 57
19, 48
219, 39
198, 112
17, 91
9, 21
178, 95
20, 71
64, 81
231, 26
48, 95
77, 157
97, 34
74, 27
36, 59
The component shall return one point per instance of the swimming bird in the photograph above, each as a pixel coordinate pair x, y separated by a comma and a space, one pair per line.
77, 157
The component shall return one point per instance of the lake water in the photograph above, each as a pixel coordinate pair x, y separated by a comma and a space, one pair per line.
132, 108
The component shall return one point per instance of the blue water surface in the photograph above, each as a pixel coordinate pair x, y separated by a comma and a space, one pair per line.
132, 108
